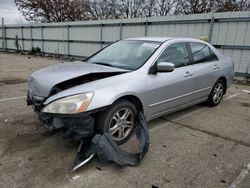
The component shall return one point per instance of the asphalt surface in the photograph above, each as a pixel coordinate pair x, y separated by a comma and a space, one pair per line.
196, 147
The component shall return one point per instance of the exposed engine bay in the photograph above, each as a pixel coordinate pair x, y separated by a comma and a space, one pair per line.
81, 80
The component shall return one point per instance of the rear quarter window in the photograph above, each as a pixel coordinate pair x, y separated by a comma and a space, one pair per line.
202, 53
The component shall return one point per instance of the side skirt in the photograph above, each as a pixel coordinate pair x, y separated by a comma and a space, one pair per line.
177, 109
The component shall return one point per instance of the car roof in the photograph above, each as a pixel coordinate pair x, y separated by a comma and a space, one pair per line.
164, 39
177, 39
155, 39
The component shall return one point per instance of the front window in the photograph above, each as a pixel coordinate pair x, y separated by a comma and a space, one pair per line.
176, 54
125, 54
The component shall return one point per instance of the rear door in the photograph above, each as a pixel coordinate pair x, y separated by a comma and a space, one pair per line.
205, 69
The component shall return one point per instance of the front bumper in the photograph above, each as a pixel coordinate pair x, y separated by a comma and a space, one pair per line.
76, 126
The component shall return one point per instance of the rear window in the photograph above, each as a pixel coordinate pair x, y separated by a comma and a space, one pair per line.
202, 53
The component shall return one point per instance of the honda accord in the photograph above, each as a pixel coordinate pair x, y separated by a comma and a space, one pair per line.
104, 92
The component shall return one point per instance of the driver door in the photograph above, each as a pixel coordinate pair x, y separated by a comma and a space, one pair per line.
170, 90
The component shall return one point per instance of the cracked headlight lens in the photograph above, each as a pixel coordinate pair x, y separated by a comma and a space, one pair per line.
69, 105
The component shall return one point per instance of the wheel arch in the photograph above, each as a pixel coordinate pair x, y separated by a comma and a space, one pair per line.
224, 79
133, 99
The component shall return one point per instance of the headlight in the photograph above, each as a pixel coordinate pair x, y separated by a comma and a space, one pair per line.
70, 105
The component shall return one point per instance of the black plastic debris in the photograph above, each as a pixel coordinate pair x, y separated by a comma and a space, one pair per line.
84, 154
108, 151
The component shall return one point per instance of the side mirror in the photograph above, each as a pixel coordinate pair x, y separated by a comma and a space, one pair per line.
165, 67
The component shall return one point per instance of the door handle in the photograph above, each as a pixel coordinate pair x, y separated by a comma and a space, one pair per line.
188, 74
216, 67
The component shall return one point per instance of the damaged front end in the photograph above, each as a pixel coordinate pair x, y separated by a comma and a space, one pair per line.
50, 94
68, 112
76, 126
80, 127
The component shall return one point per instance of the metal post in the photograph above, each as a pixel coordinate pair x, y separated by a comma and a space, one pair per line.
120, 30
60, 6
22, 39
146, 27
68, 40
31, 38
211, 29
5, 40
63, 39
2, 34
101, 35
42, 38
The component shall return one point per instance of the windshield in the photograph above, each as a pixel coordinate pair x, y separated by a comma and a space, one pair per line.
125, 54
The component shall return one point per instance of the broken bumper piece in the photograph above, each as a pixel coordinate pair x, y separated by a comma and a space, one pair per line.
77, 128
108, 151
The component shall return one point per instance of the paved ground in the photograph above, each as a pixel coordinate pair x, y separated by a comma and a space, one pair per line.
197, 147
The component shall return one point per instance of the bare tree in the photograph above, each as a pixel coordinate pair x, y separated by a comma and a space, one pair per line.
73, 10
102, 9
51, 10
232, 5
194, 6
203, 6
131, 8
166, 7
244, 5
150, 8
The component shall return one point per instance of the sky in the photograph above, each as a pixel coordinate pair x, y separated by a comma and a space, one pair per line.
10, 13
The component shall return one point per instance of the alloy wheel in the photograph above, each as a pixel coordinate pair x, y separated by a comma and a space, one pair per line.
218, 93
121, 124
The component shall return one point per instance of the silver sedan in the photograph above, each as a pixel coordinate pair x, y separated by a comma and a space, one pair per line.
104, 92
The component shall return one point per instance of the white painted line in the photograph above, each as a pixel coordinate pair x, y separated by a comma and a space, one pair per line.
14, 70
231, 96
242, 175
244, 90
13, 98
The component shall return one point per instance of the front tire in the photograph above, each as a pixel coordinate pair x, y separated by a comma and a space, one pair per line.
119, 120
217, 93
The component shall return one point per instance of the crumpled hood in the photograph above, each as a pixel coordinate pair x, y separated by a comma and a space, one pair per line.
42, 81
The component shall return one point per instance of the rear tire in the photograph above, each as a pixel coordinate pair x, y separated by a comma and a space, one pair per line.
217, 93
119, 120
